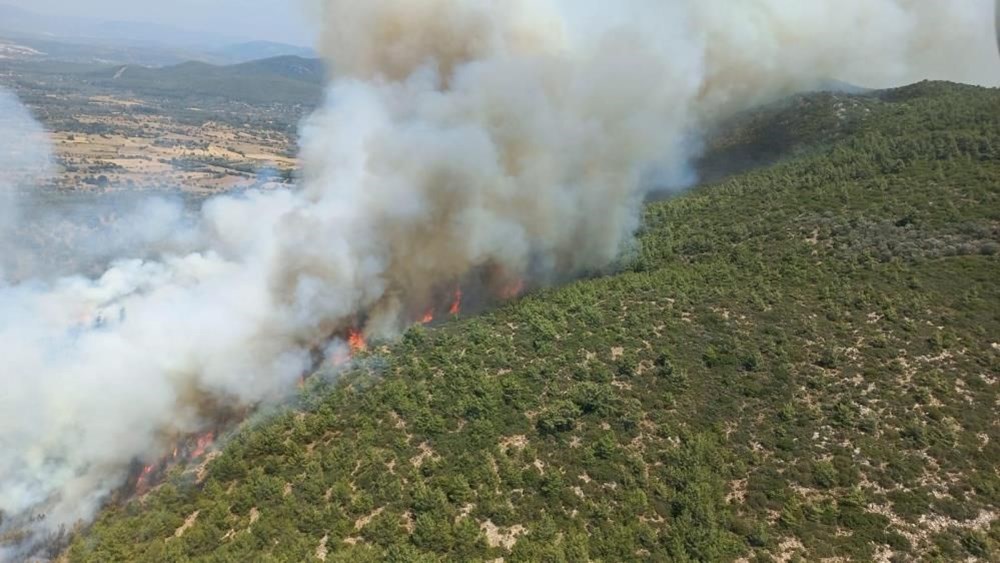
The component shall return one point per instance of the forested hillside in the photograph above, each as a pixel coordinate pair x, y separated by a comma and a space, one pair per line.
802, 360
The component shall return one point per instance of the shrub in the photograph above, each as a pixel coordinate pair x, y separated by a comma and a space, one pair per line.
559, 417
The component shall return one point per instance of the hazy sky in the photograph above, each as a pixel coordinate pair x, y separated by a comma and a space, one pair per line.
276, 20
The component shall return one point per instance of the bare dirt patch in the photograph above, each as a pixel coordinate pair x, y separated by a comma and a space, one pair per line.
502, 537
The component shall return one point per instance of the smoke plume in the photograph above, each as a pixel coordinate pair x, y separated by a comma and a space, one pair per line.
462, 142
25, 159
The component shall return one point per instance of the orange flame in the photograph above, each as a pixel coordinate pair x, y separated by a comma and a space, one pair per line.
456, 304
202, 443
356, 341
428, 317
512, 289
142, 482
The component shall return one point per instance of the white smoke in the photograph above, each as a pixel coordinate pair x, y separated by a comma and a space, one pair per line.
44, 234
461, 140
25, 160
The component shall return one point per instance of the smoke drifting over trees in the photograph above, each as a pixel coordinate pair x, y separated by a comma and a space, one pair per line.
460, 140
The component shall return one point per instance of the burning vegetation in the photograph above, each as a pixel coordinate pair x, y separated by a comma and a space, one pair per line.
183, 453
192, 448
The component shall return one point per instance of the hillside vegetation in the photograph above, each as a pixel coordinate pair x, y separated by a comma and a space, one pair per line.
289, 80
801, 362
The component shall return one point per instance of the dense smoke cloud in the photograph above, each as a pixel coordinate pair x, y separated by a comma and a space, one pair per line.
462, 141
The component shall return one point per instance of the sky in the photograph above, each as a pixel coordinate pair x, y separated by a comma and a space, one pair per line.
273, 20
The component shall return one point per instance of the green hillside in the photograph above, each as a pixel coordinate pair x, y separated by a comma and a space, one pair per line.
802, 362
287, 79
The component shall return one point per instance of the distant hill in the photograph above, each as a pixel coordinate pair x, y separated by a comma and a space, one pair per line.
254, 50
291, 67
82, 51
287, 79
87, 40
282, 80
798, 363
24, 22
